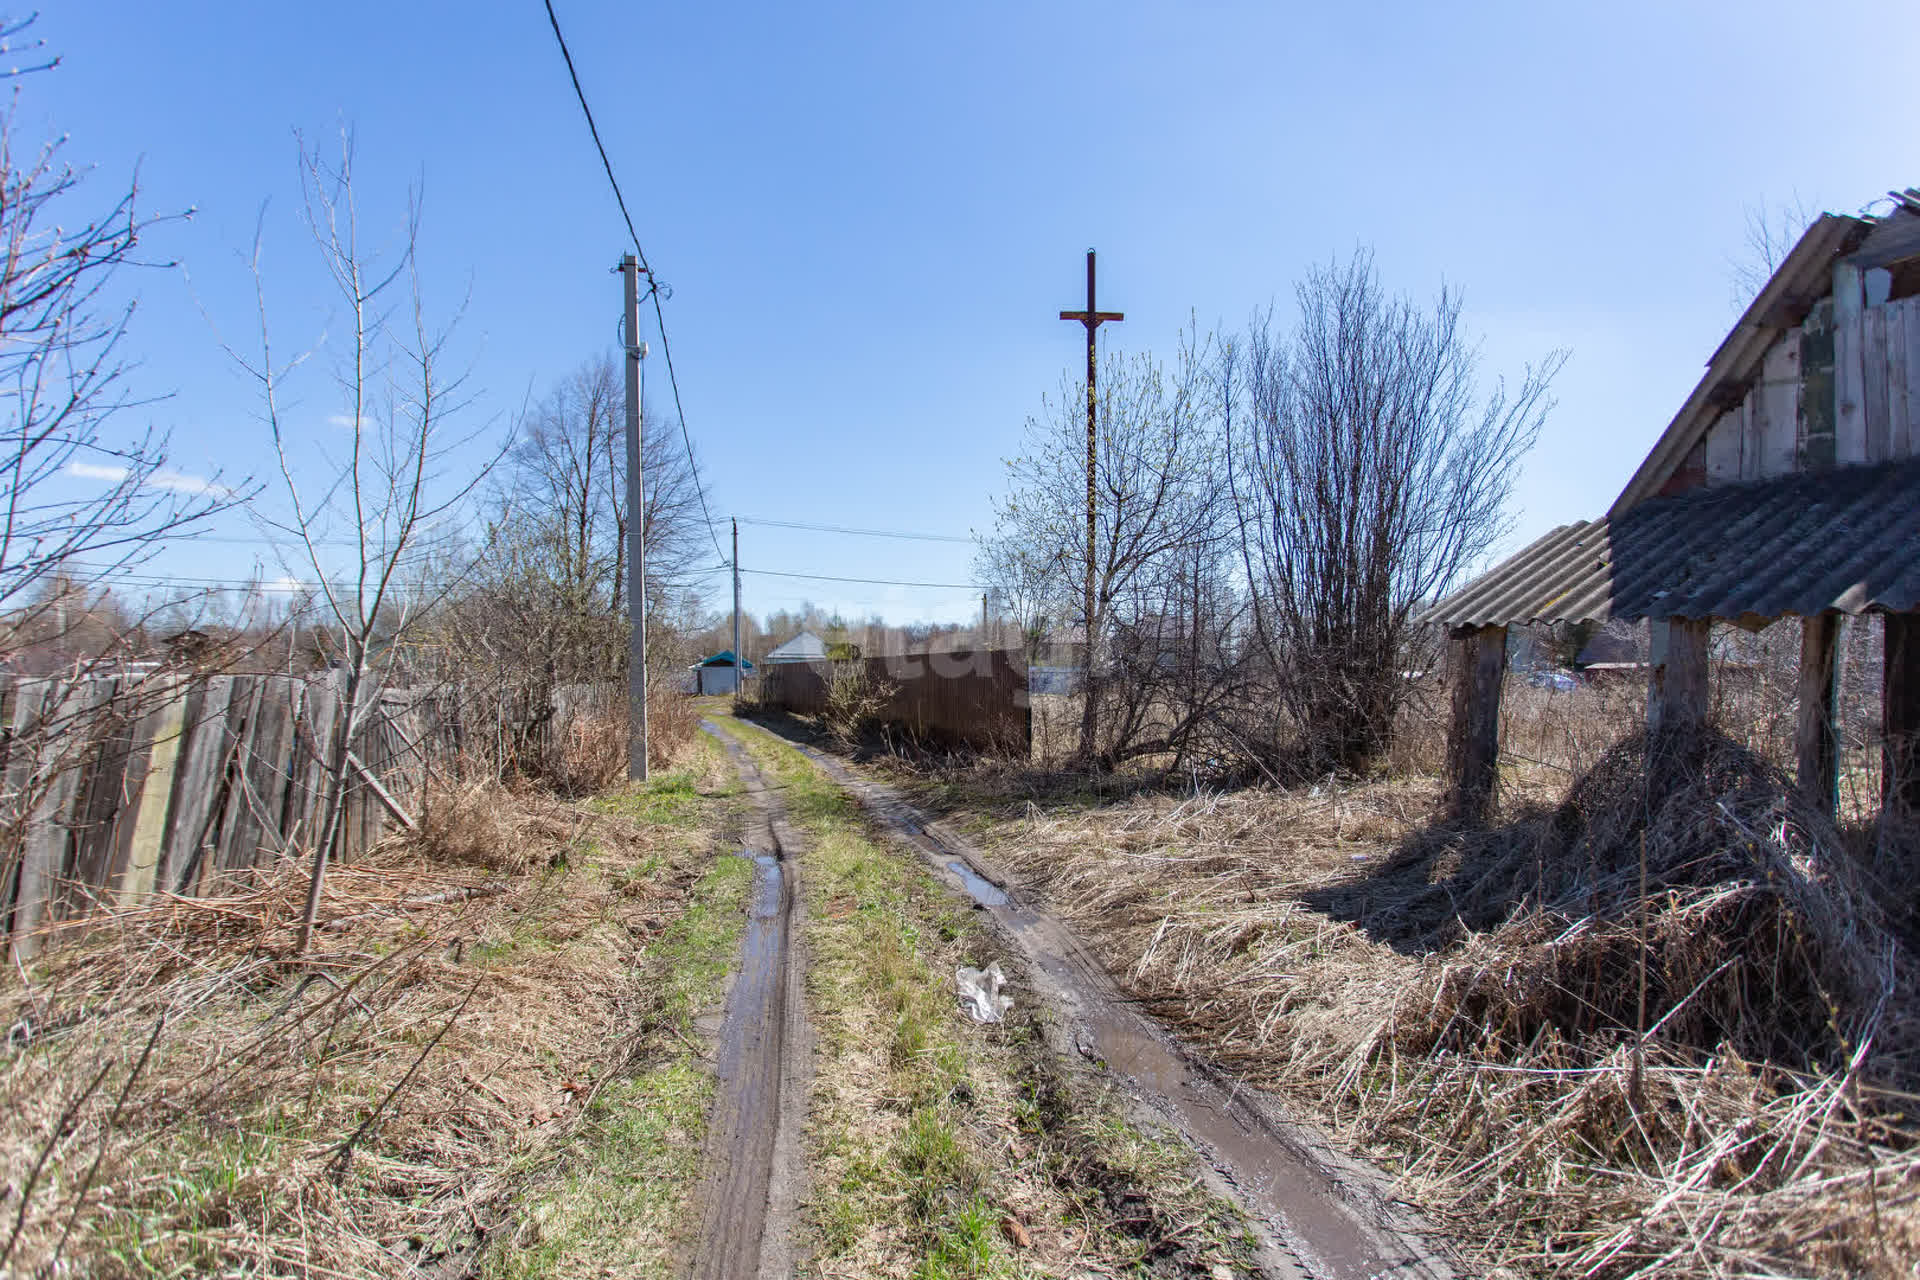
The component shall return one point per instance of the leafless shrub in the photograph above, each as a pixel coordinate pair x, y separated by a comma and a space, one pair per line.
855, 700
62, 331
1370, 471
402, 407
1157, 521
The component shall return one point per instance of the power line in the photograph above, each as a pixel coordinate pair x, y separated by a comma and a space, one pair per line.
285, 584
865, 533
877, 582
653, 285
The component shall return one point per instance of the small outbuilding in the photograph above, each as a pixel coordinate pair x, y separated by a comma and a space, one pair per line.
719, 673
1788, 485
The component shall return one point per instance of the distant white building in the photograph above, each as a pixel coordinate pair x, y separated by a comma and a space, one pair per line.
805, 647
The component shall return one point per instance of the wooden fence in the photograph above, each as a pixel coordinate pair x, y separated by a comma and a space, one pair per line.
977, 697
112, 787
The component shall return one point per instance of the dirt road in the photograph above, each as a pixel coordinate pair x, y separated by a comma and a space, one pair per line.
752, 1164
1314, 1213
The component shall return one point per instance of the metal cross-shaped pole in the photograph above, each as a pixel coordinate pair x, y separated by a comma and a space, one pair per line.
1092, 318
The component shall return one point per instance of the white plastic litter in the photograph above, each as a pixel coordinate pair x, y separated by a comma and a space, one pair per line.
980, 992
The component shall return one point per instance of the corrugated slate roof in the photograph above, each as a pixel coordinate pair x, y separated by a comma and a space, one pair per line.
1846, 539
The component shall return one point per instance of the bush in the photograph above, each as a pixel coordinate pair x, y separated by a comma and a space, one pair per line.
855, 700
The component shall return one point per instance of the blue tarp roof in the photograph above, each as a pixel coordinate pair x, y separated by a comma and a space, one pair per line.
724, 658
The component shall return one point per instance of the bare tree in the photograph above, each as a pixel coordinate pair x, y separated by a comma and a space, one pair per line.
1155, 500
78, 501
567, 473
1772, 231
545, 605
388, 496
1370, 472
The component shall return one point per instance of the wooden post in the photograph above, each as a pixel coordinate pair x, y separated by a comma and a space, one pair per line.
1816, 741
1477, 662
1900, 713
1677, 684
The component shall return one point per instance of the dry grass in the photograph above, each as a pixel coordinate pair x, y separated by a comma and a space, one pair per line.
589, 751
180, 1092
1465, 1006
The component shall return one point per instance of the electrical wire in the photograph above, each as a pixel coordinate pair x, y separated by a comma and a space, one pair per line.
877, 582
865, 533
653, 285
282, 584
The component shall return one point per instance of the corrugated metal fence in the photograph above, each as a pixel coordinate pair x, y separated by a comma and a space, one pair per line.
112, 787
973, 696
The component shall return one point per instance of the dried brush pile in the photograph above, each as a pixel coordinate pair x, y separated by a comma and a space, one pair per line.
1696, 895
180, 1093
1466, 1006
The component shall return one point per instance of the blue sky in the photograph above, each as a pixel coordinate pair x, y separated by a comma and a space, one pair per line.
870, 216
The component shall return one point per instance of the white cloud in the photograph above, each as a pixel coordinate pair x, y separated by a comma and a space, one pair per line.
283, 586
181, 482
163, 478
344, 421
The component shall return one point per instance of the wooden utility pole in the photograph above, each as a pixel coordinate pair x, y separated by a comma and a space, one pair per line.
636, 533
1092, 318
739, 668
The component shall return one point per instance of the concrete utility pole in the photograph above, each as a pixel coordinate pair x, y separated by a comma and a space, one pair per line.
739, 670
636, 533
1092, 318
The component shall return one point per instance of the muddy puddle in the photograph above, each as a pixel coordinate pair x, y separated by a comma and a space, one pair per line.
978, 887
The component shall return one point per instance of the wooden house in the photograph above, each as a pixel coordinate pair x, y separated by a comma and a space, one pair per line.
1788, 485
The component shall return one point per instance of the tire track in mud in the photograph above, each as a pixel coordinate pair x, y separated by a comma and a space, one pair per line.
1319, 1214
752, 1169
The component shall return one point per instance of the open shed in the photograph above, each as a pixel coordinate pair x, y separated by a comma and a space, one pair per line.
1788, 485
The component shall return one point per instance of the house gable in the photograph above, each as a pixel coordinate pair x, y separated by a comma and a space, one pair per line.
1822, 370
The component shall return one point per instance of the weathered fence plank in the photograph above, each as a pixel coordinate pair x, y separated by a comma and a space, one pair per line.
239, 820
319, 724
198, 787
53, 783
108, 730
152, 793
113, 787
25, 882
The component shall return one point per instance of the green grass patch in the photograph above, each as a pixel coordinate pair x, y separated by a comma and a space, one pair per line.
679, 797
